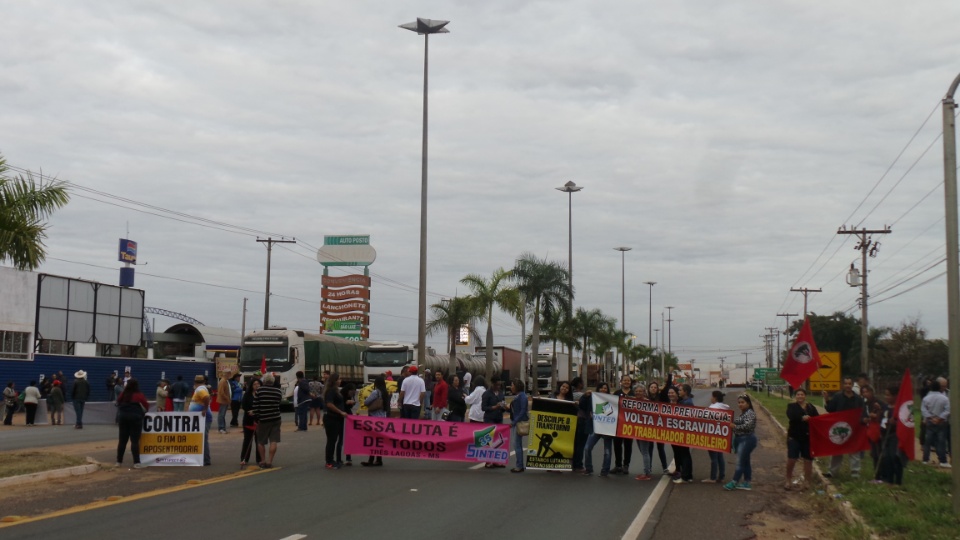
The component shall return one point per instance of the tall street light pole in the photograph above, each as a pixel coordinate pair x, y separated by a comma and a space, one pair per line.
570, 188
623, 299
650, 321
670, 329
953, 269
424, 27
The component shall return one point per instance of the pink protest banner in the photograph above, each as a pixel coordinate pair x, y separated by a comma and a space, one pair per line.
425, 439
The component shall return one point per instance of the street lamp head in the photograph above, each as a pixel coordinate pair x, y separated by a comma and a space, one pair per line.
427, 26
650, 283
569, 187
623, 248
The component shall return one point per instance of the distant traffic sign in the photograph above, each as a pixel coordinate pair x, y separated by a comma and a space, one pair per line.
827, 377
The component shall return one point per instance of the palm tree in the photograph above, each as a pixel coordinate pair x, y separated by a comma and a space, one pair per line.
24, 205
637, 352
554, 327
488, 294
450, 316
544, 285
586, 326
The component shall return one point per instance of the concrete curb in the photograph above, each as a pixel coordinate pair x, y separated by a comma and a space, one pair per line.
48, 475
845, 507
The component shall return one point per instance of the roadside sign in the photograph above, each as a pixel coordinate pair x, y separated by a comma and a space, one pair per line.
760, 373
773, 379
828, 376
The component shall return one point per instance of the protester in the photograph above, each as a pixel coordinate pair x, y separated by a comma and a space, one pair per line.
55, 404
681, 454
593, 438
428, 382
316, 400
223, 402
200, 402
843, 401
467, 381
935, 411
80, 394
799, 414
622, 446
162, 394
744, 427
891, 457
236, 398
718, 463
475, 399
333, 422
132, 405
493, 404
645, 447
412, 391
378, 406
266, 403
249, 424
179, 391
564, 391
519, 412
584, 423
440, 401
655, 393
31, 400
455, 400
873, 408
301, 402
10, 399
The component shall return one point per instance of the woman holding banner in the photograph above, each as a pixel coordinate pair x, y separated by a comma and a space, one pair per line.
493, 405
518, 413
333, 420
593, 438
132, 405
718, 465
377, 404
745, 441
655, 393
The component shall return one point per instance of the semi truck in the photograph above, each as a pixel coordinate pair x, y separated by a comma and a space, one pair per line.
393, 356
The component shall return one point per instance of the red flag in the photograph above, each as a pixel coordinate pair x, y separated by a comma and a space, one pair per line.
903, 412
838, 433
803, 359
263, 365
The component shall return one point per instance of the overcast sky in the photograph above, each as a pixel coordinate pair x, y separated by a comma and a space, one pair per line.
725, 143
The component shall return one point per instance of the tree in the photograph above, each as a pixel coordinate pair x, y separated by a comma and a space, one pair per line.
488, 294
908, 347
544, 285
450, 316
587, 325
634, 354
24, 205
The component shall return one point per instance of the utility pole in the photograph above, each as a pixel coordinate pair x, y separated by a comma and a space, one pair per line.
772, 331
805, 292
746, 364
266, 301
953, 268
721, 358
866, 246
785, 332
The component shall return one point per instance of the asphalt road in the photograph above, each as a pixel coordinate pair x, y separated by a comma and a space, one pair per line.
403, 499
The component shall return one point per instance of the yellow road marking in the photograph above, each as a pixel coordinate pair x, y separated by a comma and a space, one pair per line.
10, 521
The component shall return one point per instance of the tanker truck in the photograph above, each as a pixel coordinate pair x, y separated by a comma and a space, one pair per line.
393, 356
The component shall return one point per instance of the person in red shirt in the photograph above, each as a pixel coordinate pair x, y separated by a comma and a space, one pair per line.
439, 396
132, 405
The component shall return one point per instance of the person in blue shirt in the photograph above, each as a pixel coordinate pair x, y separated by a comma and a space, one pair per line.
519, 412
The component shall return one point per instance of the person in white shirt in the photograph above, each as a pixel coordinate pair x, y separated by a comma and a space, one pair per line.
475, 400
412, 390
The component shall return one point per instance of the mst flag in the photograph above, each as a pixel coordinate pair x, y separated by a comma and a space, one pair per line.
803, 359
263, 365
838, 433
904, 415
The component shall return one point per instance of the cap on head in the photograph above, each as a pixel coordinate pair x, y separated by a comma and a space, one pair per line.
413, 369
200, 379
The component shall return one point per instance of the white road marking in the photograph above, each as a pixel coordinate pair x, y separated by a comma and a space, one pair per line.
295, 537
633, 532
